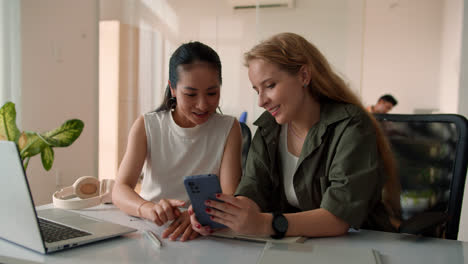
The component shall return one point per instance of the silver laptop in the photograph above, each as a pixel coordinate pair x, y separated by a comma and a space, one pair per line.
22, 225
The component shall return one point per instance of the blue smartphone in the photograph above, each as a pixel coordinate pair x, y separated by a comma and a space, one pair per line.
199, 189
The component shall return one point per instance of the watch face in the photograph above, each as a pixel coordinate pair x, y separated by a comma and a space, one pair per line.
281, 223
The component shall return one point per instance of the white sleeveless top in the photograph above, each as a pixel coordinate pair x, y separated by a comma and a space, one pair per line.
288, 164
174, 152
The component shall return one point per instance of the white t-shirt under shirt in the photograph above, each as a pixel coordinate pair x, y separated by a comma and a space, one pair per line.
288, 165
174, 152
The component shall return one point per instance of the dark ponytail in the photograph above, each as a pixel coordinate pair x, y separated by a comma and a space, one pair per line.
187, 54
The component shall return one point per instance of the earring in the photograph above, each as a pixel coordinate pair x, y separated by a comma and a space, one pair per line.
172, 103
305, 85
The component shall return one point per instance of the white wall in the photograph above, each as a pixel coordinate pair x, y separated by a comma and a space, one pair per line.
402, 51
59, 76
452, 18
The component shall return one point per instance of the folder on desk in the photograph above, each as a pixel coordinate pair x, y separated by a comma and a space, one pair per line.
275, 253
228, 233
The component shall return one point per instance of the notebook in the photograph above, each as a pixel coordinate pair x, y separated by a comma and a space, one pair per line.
23, 225
228, 233
275, 253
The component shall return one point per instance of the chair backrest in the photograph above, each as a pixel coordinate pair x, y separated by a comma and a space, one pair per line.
431, 153
246, 139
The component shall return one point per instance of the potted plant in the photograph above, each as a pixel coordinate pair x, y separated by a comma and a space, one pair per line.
32, 143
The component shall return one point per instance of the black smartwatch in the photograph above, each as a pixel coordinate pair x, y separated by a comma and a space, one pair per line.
279, 225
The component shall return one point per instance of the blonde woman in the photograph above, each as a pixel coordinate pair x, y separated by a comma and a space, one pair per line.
318, 163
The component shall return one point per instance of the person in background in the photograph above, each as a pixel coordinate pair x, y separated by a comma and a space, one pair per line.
319, 163
384, 105
184, 136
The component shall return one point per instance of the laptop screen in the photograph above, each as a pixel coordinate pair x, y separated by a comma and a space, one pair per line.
19, 221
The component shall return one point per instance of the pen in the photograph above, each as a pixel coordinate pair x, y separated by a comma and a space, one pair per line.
153, 238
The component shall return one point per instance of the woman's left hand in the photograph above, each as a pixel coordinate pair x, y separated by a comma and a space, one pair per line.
238, 213
180, 227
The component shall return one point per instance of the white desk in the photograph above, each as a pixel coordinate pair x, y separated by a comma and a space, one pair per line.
134, 248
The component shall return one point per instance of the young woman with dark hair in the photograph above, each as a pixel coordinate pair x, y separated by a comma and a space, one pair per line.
184, 136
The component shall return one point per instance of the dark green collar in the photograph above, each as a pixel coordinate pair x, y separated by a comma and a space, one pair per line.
330, 113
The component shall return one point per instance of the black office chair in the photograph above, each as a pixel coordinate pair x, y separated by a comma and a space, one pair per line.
246, 139
431, 153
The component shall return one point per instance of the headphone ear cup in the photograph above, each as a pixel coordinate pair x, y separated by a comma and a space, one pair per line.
86, 187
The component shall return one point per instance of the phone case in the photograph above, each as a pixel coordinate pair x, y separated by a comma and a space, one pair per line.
199, 189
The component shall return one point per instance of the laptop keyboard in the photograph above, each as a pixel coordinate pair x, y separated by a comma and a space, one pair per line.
53, 232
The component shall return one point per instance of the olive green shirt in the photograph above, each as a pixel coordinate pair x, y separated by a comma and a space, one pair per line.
339, 168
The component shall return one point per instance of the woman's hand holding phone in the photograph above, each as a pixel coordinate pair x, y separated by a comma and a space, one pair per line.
240, 214
196, 226
201, 188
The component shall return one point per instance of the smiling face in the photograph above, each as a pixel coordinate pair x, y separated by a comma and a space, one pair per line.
279, 92
197, 94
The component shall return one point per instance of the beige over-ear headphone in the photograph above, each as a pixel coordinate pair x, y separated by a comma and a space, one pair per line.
90, 190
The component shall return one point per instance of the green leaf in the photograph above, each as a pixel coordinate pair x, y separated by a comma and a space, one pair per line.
33, 144
26, 162
47, 157
64, 135
8, 129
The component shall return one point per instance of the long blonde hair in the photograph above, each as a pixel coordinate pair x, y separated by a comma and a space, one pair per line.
290, 52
